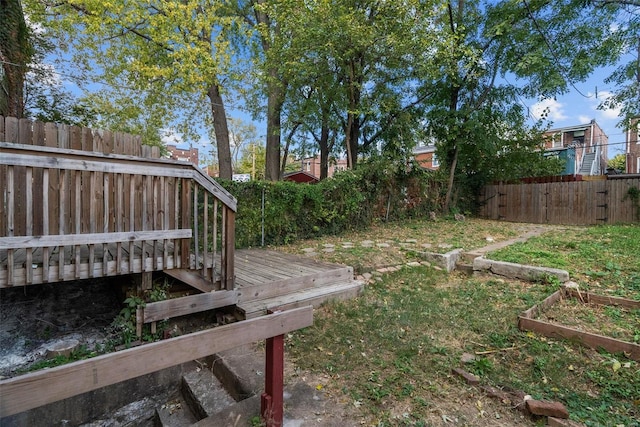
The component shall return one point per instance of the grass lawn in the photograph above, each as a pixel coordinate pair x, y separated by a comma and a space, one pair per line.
396, 243
388, 355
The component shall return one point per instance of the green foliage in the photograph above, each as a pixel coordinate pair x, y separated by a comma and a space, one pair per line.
81, 353
619, 162
123, 327
350, 200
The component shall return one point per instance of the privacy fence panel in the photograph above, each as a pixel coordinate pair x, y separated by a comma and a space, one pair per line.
577, 202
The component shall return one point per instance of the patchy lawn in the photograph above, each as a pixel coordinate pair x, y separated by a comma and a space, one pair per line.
603, 259
388, 354
396, 243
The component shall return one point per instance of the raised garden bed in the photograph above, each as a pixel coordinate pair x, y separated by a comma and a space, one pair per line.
529, 321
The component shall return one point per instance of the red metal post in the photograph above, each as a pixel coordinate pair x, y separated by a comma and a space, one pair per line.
271, 402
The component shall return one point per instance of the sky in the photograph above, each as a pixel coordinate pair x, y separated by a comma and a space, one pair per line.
580, 106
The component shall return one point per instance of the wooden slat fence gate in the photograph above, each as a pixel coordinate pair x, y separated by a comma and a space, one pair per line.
77, 203
571, 203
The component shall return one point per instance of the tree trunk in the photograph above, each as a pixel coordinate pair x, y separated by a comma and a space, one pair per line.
221, 131
452, 174
15, 54
274, 111
324, 150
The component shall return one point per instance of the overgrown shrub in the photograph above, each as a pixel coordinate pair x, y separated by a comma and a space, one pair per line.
350, 200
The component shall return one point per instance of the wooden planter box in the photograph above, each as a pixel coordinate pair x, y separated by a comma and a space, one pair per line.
527, 322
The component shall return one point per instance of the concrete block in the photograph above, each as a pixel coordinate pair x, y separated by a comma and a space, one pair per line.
518, 271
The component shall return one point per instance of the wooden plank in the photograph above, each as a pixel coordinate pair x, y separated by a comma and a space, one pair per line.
544, 305
589, 298
17, 242
229, 248
276, 288
587, 339
182, 306
78, 160
68, 272
38, 139
45, 221
40, 388
10, 224
185, 210
191, 278
62, 219
29, 222
51, 140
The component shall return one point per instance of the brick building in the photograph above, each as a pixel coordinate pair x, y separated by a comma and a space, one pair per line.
311, 166
189, 155
583, 147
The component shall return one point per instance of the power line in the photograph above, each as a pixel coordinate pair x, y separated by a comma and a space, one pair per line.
551, 50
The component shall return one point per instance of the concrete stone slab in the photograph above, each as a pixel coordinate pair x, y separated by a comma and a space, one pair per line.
518, 271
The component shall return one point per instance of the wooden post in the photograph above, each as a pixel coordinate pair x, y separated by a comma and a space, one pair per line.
271, 401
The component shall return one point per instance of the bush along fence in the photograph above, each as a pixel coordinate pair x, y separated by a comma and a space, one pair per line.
272, 213
612, 200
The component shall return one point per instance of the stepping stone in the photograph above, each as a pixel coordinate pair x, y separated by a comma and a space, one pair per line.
308, 250
411, 241
382, 245
329, 245
367, 243
347, 246
426, 245
311, 254
328, 250
414, 264
444, 245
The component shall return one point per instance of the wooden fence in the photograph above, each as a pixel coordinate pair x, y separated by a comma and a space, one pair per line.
78, 203
578, 202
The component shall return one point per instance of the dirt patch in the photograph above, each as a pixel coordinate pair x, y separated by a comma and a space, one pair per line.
32, 318
610, 321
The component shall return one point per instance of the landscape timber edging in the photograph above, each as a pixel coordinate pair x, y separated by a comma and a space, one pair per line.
447, 261
526, 322
518, 271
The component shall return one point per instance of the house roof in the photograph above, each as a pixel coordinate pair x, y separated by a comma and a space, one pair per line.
301, 177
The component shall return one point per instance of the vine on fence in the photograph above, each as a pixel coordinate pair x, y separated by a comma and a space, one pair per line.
351, 200
633, 194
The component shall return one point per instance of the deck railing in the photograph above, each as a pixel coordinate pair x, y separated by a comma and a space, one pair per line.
72, 214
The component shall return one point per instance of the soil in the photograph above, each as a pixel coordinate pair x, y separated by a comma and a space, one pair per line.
33, 318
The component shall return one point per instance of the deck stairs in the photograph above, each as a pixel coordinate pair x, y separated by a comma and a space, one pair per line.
587, 164
296, 282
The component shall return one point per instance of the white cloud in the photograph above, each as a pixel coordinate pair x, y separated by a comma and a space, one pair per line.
549, 107
170, 136
609, 113
584, 119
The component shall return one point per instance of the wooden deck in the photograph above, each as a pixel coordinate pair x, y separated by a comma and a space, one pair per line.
270, 280
265, 281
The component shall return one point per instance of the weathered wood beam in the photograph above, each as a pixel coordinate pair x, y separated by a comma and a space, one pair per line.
19, 242
186, 305
35, 389
58, 158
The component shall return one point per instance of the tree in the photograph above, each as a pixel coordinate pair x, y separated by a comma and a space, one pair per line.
165, 55
252, 161
241, 135
15, 54
626, 77
351, 69
618, 162
544, 46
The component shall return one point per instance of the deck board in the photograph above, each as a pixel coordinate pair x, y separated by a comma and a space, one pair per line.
253, 267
